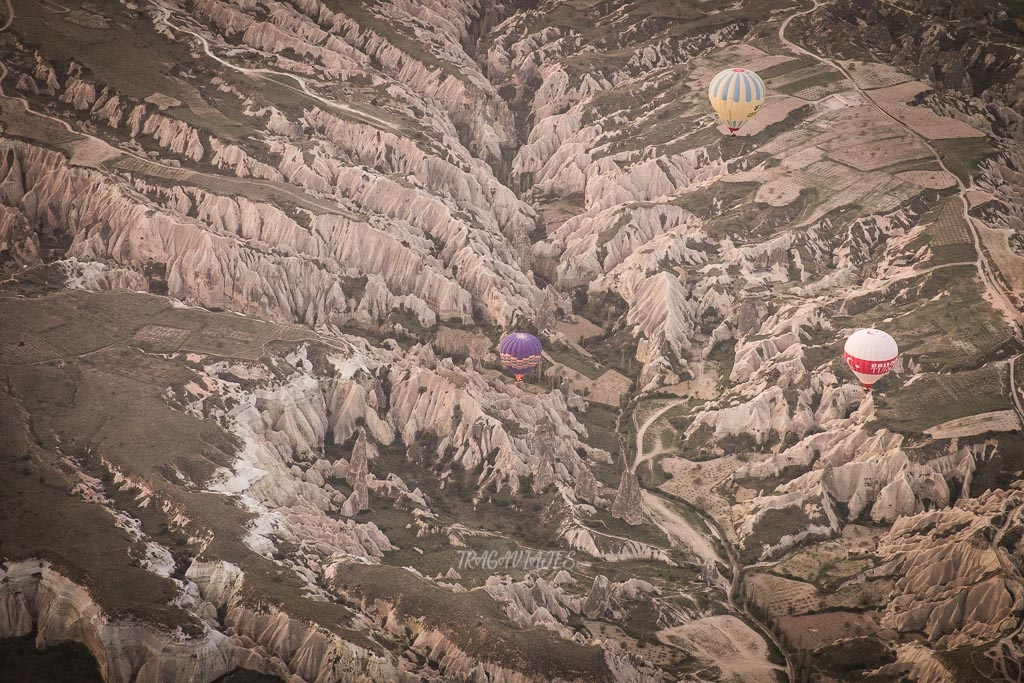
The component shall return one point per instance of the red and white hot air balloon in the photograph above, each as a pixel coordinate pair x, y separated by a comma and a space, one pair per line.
870, 353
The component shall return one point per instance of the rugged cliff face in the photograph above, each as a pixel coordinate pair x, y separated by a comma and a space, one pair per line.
255, 262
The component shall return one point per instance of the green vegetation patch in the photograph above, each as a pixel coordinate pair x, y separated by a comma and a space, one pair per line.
952, 253
970, 664
787, 67
651, 474
648, 533
934, 399
911, 165
616, 350
948, 236
824, 78
508, 523
600, 421
1003, 468
571, 358
848, 659
942, 320
657, 573
771, 528
963, 155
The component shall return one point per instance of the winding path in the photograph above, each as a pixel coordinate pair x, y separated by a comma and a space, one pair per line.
165, 16
997, 294
670, 521
677, 527
642, 457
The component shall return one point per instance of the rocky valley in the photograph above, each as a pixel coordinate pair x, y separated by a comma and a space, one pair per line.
256, 257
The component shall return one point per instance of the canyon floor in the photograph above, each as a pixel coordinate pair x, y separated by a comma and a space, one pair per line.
256, 257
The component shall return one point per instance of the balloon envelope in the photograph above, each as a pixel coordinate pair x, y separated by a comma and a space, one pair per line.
736, 95
520, 353
870, 353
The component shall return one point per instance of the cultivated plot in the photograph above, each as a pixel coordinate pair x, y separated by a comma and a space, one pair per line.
779, 597
811, 631
871, 75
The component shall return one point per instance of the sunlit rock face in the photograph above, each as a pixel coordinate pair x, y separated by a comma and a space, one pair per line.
40, 600
251, 256
254, 270
949, 576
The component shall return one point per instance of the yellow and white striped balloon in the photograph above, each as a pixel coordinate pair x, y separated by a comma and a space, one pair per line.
736, 94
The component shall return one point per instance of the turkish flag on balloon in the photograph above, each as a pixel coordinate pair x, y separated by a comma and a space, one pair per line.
870, 353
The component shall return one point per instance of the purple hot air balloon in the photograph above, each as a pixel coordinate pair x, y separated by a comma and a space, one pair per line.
520, 353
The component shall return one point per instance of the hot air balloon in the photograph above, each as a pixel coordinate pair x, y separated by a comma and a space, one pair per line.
736, 95
520, 353
870, 354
